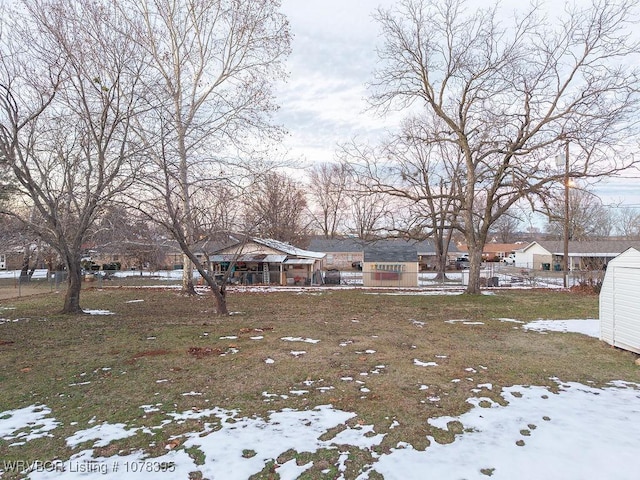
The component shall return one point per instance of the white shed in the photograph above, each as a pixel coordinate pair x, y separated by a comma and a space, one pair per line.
619, 304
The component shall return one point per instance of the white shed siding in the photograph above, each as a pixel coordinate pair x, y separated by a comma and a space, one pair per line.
619, 305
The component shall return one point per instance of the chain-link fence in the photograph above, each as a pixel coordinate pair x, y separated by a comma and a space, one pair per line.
15, 284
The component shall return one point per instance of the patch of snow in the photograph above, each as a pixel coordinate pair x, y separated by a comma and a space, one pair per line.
590, 327
424, 364
464, 322
104, 433
581, 432
269, 361
297, 353
30, 422
299, 339
98, 312
298, 392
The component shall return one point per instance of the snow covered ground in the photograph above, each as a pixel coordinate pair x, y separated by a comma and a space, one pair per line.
580, 432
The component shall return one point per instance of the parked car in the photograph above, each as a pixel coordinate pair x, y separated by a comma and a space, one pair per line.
510, 260
462, 262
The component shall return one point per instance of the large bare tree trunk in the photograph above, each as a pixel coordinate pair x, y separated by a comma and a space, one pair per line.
74, 286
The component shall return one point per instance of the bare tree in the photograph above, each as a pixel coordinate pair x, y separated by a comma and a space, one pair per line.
370, 214
511, 95
328, 183
123, 233
277, 208
507, 227
588, 217
627, 222
422, 173
212, 65
67, 97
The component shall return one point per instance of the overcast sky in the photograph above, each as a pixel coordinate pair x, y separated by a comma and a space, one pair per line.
333, 57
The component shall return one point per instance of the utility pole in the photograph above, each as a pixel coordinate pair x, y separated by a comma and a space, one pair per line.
565, 258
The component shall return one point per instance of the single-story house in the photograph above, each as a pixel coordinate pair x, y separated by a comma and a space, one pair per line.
390, 264
158, 254
267, 261
341, 253
348, 253
495, 252
13, 258
588, 255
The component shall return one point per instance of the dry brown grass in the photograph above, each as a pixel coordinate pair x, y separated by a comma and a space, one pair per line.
371, 339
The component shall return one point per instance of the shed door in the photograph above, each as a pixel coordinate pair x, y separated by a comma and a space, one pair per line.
626, 308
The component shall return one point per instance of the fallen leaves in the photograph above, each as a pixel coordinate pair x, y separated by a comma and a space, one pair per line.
245, 330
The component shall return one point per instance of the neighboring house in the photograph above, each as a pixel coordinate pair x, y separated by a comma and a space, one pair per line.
390, 264
132, 255
267, 261
586, 255
341, 253
427, 257
495, 252
13, 259
348, 253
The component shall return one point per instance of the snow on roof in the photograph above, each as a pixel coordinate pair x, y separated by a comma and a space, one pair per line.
288, 248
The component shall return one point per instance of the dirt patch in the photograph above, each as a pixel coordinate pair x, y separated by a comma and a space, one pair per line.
202, 352
6, 342
149, 353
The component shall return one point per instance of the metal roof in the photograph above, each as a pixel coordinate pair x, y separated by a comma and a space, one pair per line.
300, 261
249, 258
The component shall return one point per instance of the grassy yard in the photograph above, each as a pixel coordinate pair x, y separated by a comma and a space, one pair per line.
361, 351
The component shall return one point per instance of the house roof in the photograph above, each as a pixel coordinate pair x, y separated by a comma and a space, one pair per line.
591, 248
390, 252
285, 250
334, 245
288, 248
356, 245
248, 258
